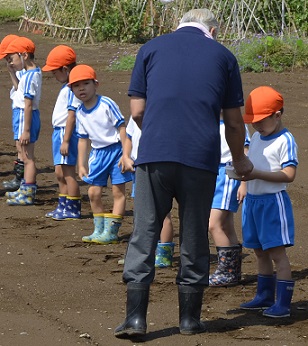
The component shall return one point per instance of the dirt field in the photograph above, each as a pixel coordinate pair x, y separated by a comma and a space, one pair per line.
56, 290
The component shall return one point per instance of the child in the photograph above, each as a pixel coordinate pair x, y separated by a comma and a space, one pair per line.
100, 121
165, 248
26, 116
60, 61
267, 219
13, 184
229, 193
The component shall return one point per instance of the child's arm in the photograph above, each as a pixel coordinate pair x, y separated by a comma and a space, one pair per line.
285, 175
25, 136
82, 156
12, 73
69, 128
126, 163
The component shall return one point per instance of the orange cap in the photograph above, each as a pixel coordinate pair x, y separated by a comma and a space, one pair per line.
20, 45
58, 57
261, 103
5, 42
81, 72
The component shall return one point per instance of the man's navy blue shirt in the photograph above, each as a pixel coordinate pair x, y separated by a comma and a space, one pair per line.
186, 80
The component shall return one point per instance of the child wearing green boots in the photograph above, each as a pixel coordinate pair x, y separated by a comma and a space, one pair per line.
19, 55
60, 62
165, 247
99, 120
267, 216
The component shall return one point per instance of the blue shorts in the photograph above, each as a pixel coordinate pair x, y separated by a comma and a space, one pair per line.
267, 221
18, 120
133, 184
57, 140
103, 163
225, 196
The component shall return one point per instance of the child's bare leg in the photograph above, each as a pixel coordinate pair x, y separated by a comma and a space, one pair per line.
95, 196
72, 186
221, 227
264, 262
61, 180
18, 148
28, 159
166, 235
282, 263
119, 199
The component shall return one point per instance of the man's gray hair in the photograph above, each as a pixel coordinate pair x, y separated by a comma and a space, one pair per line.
202, 16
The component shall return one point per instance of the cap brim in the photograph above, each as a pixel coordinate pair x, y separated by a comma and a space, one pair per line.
47, 68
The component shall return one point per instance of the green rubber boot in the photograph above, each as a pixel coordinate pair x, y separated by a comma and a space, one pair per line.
98, 220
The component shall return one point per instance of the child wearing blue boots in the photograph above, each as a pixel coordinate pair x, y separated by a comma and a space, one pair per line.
267, 216
19, 54
60, 62
99, 120
165, 247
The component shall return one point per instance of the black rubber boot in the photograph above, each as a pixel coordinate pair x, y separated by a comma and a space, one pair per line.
14, 184
136, 309
190, 303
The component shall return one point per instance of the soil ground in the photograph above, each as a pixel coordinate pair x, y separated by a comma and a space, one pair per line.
56, 290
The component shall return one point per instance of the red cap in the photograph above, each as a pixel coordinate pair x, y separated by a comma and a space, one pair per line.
58, 57
261, 103
5, 42
20, 45
81, 72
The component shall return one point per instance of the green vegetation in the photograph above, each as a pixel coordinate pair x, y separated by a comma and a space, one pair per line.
10, 10
270, 53
258, 54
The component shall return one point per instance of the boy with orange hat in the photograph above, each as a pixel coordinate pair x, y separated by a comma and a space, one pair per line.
13, 184
26, 116
60, 62
99, 120
267, 217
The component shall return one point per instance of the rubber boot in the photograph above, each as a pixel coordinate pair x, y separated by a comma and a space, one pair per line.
26, 195
98, 220
265, 296
14, 184
228, 271
13, 194
164, 255
282, 307
190, 303
136, 310
112, 223
71, 211
60, 206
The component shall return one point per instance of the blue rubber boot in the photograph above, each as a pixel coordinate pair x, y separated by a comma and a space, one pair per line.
26, 195
98, 220
112, 223
282, 307
265, 296
60, 206
71, 211
164, 255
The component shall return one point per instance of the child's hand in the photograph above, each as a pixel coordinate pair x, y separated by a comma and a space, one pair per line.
82, 172
241, 192
24, 139
127, 164
64, 148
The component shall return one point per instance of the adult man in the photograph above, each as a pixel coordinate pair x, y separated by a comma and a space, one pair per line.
179, 85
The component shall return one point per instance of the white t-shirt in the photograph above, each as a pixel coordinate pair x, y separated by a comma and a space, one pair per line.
134, 133
100, 124
271, 153
29, 86
66, 101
